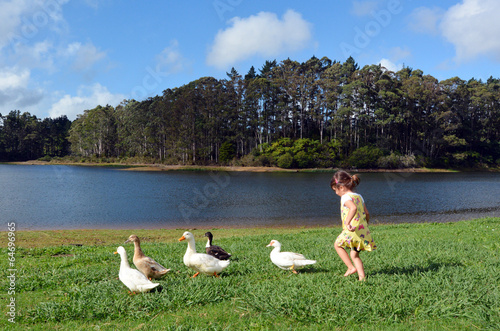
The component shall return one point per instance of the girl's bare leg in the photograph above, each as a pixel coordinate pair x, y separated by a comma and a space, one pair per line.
358, 264
345, 258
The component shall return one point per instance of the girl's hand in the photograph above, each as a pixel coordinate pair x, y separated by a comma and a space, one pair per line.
352, 211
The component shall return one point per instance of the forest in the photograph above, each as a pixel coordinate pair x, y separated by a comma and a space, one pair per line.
319, 113
25, 137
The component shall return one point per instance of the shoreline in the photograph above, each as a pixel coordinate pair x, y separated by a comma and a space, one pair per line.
162, 167
384, 220
28, 239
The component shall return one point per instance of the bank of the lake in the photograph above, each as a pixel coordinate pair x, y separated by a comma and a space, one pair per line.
131, 166
429, 276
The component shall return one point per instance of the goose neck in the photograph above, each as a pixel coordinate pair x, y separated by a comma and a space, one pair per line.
191, 245
137, 249
124, 261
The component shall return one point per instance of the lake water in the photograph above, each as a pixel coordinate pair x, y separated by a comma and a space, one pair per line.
73, 197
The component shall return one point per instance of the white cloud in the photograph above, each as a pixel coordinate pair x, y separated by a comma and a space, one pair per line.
88, 97
263, 34
14, 90
389, 65
92, 3
473, 28
425, 20
170, 60
363, 8
85, 55
13, 78
22, 20
396, 55
10, 19
37, 55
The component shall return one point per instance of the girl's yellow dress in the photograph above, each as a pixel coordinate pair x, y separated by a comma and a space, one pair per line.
359, 239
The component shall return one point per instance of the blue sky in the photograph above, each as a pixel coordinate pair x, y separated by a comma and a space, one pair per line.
60, 57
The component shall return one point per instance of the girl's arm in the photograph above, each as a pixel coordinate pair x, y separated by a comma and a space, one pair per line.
352, 211
367, 214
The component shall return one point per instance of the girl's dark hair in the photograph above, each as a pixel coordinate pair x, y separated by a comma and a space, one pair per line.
342, 178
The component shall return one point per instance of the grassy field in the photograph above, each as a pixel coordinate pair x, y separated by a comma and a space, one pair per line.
435, 276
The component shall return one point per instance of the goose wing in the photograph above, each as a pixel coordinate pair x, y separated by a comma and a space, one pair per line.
152, 264
288, 259
217, 252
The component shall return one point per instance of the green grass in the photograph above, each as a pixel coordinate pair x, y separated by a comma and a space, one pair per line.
435, 276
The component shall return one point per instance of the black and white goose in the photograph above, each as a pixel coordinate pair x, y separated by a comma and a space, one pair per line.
215, 250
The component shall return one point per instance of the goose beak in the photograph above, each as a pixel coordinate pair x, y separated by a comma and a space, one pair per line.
182, 238
270, 244
115, 253
128, 240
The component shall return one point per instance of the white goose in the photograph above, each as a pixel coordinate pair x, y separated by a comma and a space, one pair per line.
133, 278
200, 262
287, 260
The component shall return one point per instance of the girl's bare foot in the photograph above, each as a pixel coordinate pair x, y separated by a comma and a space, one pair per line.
350, 272
362, 279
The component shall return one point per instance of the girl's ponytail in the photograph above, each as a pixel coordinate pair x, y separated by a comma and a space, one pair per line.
355, 180
342, 178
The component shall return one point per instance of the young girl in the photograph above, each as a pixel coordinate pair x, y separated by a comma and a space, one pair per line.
355, 217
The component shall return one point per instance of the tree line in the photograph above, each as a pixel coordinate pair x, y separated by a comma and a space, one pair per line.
25, 137
316, 113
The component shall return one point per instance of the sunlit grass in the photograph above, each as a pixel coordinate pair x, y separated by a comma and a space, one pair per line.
422, 276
